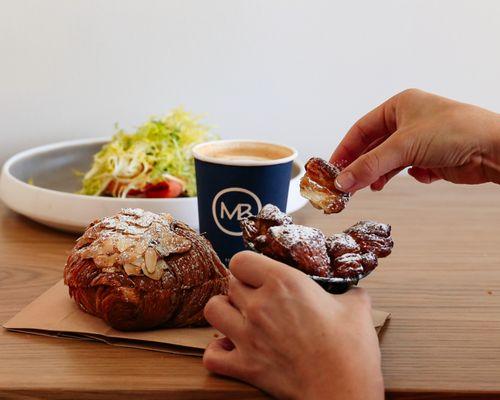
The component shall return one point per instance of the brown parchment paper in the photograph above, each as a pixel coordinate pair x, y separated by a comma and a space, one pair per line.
54, 313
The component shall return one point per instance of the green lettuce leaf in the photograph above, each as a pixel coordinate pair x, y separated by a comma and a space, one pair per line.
160, 149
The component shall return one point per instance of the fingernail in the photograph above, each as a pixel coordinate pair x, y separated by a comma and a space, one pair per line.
344, 181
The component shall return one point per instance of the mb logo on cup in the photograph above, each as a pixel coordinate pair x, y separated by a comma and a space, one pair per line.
231, 205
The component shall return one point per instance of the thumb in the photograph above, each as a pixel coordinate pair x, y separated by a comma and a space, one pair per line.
369, 167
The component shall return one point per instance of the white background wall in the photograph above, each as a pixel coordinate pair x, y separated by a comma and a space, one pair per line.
298, 72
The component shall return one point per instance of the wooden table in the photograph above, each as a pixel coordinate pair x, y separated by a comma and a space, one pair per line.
441, 284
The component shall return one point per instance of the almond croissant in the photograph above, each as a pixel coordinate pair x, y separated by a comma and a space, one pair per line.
139, 270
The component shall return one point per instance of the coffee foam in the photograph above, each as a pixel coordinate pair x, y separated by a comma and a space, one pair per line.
245, 151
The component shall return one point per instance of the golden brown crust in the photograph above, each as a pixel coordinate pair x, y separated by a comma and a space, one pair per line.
318, 186
189, 273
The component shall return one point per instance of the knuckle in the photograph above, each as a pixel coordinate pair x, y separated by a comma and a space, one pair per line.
210, 308
365, 137
289, 281
255, 312
410, 92
239, 258
406, 145
370, 164
275, 278
409, 97
209, 361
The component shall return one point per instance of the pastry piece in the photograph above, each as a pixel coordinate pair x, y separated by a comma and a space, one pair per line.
268, 216
317, 185
351, 254
139, 270
340, 244
372, 237
354, 265
299, 246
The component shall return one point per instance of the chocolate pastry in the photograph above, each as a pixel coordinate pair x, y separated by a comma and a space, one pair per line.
317, 185
351, 254
139, 270
372, 237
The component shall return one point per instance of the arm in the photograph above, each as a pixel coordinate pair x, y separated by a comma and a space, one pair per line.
436, 137
287, 336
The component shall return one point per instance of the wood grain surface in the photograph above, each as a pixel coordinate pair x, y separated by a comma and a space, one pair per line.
441, 284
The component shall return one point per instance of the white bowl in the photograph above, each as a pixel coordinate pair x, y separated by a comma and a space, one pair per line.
51, 199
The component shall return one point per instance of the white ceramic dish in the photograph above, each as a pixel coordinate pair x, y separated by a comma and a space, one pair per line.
51, 199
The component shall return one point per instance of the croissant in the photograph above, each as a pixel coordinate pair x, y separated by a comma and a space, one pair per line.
138, 270
351, 254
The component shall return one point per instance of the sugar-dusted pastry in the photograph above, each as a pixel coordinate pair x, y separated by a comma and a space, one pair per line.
372, 237
318, 186
351, 254
139, 270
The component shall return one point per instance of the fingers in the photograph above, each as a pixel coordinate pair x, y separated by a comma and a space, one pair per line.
382, 181
239, 294
374, 126
224, 317
222, 358
423, 175
253, 269
368, 168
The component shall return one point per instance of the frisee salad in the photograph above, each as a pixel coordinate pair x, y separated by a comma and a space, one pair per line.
154, 161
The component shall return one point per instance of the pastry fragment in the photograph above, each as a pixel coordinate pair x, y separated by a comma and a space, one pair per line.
351, 254
296, 245
340, 244
354, 265
268, 217
139, 270
318, 186
372, 237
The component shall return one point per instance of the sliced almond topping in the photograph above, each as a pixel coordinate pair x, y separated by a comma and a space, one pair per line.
139, 261
161, 264
156, 275
140, 247
104, 261
131, 269
123, 244
107, 246
151, 258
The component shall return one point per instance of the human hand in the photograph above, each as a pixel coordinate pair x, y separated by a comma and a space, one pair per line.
437, 137
288, 337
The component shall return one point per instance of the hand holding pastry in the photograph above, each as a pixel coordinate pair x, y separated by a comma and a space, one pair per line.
287, 336
437, 138
318, 186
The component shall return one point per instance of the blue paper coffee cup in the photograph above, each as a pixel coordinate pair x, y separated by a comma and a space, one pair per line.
235, 179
